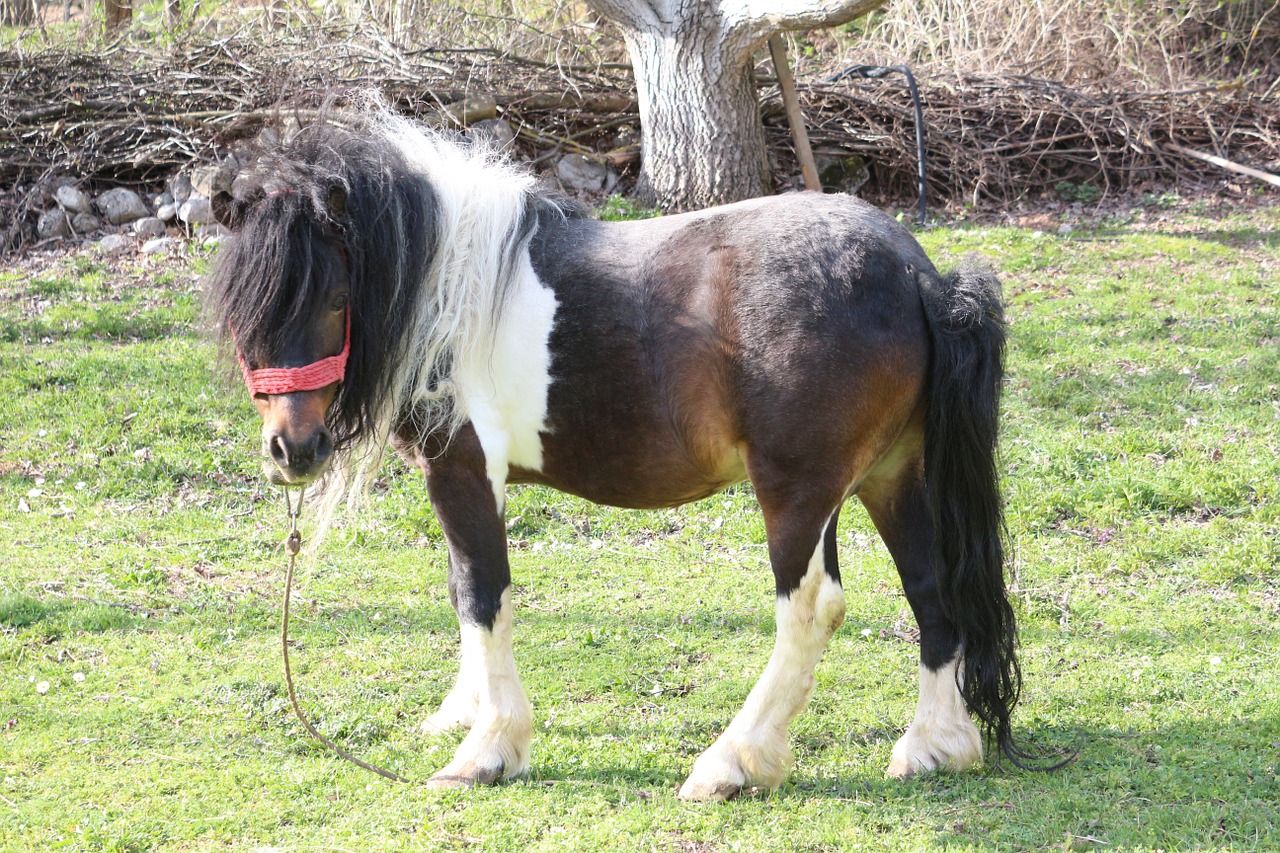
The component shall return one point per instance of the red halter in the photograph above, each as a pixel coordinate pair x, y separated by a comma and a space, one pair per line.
286, 380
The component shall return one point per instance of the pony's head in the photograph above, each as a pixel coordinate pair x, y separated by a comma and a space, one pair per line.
312, 289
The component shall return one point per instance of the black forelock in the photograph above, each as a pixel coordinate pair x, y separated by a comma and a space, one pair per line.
330, 193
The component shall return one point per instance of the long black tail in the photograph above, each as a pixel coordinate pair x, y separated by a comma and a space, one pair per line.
967, 328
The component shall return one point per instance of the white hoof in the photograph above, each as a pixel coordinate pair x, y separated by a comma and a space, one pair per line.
925, 748
495, 749
733, 764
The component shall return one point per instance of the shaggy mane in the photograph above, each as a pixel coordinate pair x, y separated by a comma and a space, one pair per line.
432, 232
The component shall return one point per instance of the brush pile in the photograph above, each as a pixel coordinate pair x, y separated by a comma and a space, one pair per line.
134, 114
997, 139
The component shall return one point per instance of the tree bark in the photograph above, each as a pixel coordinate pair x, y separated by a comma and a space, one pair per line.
701, 135
700, 130
118, 13
17, 13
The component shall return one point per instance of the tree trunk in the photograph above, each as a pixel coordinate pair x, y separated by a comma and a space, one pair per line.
702, 140
701, 134
17, 13
118, 13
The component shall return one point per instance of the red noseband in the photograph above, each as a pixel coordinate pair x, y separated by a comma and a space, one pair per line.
286, 380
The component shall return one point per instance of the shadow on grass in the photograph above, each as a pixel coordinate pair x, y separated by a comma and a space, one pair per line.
104, 324
53, 618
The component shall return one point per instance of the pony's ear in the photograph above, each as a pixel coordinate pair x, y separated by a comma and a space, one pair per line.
337, 200
227, 210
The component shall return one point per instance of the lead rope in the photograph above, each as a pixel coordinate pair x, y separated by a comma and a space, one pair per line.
293, 545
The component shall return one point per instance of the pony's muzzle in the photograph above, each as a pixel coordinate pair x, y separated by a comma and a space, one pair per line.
297, 443
298, 461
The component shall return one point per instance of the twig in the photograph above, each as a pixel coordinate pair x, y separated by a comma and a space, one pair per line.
1223, 163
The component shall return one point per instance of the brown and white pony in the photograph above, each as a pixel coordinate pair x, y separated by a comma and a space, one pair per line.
386, 284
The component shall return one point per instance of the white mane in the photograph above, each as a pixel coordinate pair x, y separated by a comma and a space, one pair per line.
482, 202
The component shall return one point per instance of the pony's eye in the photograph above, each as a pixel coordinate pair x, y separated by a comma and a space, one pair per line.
338, 303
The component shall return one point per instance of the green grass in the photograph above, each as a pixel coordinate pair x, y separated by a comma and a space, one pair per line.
141, 696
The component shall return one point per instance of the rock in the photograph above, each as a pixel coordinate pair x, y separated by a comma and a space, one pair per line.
73, 199
149, 226
53, 223
626, 136
114, 243
475, 109
578, 174
160, 245
83, 223
121, 206
179, 187
202, 180
167, 212
196, 211
162, 199
842, 174
212, 230
207, 180
494, 132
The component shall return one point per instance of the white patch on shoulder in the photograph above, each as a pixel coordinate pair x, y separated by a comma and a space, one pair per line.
943, 734
505, 395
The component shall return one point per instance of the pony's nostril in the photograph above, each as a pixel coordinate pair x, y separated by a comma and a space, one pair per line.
278, 450
324, 445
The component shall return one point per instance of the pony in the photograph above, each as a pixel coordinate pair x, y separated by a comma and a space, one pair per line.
390, 286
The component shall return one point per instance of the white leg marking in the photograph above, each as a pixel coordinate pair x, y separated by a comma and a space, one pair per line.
943, 735
754, 750
488, 697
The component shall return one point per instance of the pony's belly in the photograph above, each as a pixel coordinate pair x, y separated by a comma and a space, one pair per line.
637, 481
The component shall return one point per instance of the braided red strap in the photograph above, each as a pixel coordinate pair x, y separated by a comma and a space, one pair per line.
286, 380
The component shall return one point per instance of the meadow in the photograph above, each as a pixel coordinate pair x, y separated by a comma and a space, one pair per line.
142, 704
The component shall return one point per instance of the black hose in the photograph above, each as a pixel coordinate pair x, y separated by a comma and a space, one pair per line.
875, 72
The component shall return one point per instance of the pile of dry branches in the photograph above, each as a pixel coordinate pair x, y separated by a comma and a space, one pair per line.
1003, 138
134, 114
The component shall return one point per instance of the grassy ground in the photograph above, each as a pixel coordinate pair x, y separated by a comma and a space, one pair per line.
141, 701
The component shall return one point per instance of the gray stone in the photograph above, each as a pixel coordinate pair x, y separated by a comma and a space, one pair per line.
162, 199
160, 245
73, 199
209, 179
149, 226
578, 174
120, 206
53, 223
85, 222
167, 212
196, 211
203, 179
212, 230
113, 243
179, 187
842, 174
496, 133
240, 187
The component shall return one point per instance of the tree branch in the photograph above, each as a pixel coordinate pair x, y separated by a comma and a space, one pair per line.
784, 15
634, 14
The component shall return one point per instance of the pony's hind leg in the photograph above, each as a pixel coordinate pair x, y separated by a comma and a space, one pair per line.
754, 749
942, 735
487, 698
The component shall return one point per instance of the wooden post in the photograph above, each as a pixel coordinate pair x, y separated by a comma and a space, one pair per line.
787, 83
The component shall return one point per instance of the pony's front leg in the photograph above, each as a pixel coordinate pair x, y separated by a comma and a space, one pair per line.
487, 697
